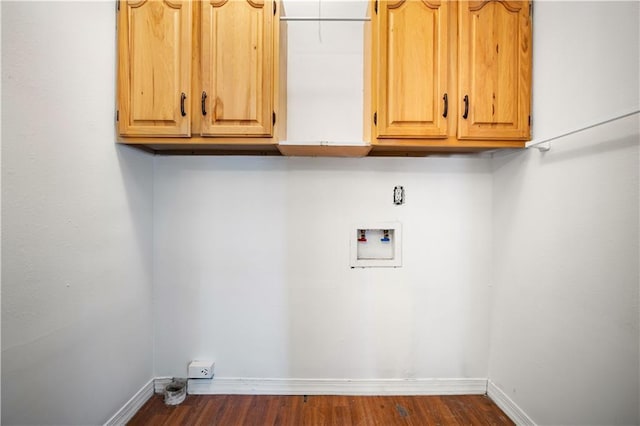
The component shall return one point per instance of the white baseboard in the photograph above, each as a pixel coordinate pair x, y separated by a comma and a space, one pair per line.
132, 406
159, 383
507, 405
250, 386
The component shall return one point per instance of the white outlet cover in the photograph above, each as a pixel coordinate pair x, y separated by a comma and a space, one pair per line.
200, 369
388, 257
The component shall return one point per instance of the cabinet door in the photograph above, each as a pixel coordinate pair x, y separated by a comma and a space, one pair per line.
412, 66
494, 70
237, 67
154, 70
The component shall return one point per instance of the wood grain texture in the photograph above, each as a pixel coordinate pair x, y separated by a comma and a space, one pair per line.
154, 51
495, 69
324, 150
238, 67
242, 38
501, 121
238, 143
413, 68
322, 410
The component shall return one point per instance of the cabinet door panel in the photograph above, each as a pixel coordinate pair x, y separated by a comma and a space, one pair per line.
154, 67
237, 67
412, 68
495, 62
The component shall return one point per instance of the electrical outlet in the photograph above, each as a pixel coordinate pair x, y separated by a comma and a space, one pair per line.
200, 369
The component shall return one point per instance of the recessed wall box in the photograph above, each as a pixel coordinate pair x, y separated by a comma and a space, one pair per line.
376, 245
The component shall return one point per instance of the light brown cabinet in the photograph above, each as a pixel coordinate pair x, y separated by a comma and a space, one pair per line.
154, 68
495, 70
237, 67
447, 75
200, 74
413, 69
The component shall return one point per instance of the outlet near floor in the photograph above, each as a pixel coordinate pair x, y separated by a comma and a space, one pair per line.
200, 370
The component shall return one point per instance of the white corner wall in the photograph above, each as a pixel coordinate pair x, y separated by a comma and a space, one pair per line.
585, 63
564, 330
252, 268
76, 217
565, 319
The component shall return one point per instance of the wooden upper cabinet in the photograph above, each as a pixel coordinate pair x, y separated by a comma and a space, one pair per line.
237, 67
494, 70
154, 76
412, 69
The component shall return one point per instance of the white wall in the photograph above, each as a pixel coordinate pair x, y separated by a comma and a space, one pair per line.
252, 267
565, 320
76, 216
564, 326
252, 254
585, 63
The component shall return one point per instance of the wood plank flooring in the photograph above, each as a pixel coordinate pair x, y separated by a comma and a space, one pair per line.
322, 410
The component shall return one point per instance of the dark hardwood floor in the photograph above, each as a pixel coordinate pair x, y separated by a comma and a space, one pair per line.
322, 410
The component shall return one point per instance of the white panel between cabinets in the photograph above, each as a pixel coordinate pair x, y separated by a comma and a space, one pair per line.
325, 73
376, 245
